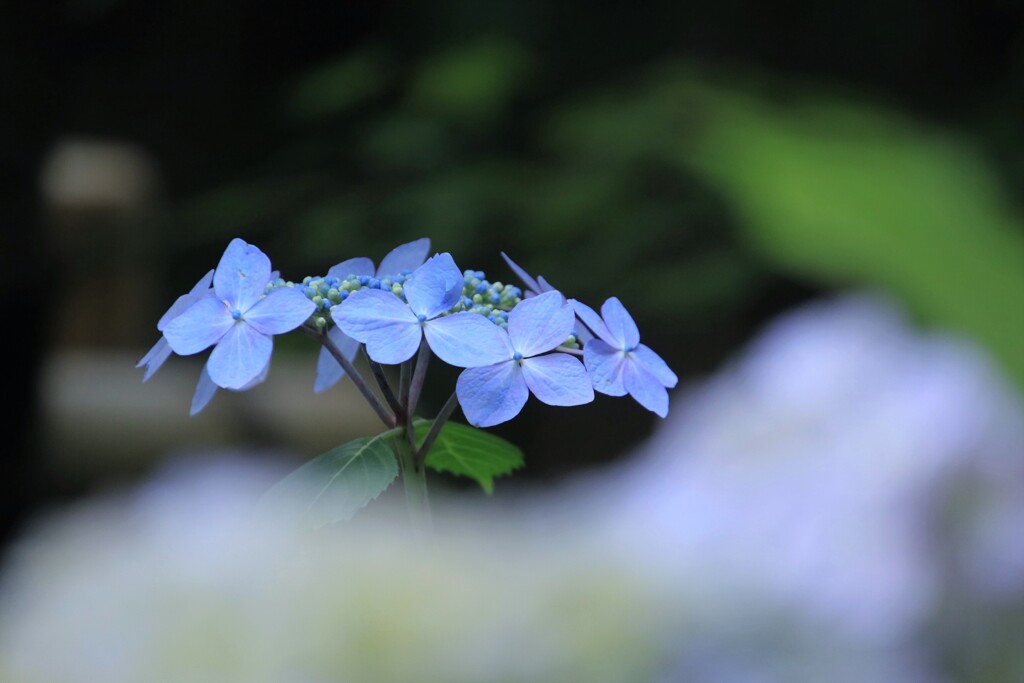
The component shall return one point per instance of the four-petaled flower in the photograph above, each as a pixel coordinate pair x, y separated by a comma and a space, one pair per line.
238, 318
393, 330
495, 393
618, 363
404, 258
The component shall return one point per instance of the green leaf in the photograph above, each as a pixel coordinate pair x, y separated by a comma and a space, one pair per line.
335, 485
470, 452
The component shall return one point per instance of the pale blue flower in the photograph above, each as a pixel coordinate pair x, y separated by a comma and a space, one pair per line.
239, 321
496, 393
393, 329
618, 363
161, 351
402, 259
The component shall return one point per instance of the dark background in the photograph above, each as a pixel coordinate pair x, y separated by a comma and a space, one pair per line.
321, 131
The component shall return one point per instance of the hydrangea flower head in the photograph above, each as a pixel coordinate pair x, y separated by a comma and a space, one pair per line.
496, 393
392, 329
239, 320
618, 363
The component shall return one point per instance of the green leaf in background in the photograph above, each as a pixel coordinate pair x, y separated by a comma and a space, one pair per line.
849, 193
335, 485
470, 452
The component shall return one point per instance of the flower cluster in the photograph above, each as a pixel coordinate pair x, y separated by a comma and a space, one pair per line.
510, 343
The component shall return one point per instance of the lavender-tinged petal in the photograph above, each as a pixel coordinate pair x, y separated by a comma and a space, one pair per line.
180, 305
604, 364
204, 287
394, 344
205, 389
328, 370
583, 335
370, 310
540, 324
592, 320
526, 278
405, 257
153, 351
435, 287
240, 356
280, 311
558, 380
354, 266
492, 394
242, 275
653, 363
467, 340
156, 357
644, 387
545, 286
620, 324
202, 325
259, 379
183, 302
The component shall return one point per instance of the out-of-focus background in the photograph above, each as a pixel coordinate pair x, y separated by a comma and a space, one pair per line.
717, 166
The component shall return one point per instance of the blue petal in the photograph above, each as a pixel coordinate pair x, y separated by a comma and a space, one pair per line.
280, 311
369, 310
160, 352
558, 379
239, 357
467, 340
259, 379
604, 363
540, 324
644, 387
525, 277
394, 345
183, 302
435, 287
406, 257
545, 286
653, 363
203, 287
354, 266
592, 320
620, 324
205, 390
492, 394
242, 275
200, 326
328, 371
381, 321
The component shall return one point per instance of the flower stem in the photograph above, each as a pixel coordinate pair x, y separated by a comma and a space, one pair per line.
418, 377
386, 416
435, 430
414, 480
385, 389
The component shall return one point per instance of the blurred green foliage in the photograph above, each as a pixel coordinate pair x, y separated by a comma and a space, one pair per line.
694, 199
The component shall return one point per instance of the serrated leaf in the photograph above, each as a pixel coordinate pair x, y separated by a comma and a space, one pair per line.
469, 452
334, 486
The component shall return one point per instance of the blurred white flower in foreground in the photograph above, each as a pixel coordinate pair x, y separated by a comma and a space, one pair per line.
823, 510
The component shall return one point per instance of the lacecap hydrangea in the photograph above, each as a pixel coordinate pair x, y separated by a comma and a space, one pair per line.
509, 342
